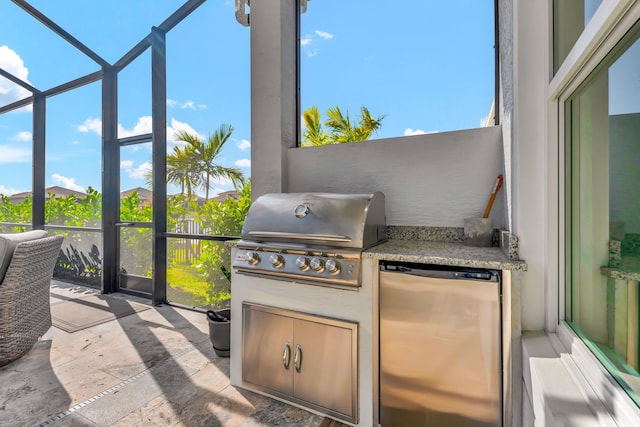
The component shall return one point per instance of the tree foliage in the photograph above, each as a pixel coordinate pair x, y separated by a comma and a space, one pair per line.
221, 219
203, 277
198, 161
341, 128
181, 170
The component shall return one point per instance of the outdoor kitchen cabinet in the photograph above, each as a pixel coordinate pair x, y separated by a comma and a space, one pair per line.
306, 359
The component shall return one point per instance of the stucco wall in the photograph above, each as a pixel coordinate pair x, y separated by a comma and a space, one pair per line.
435, 179
625, 171
505, 43
273, 93
530, 169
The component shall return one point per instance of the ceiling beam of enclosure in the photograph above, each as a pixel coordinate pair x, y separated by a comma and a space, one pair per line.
173, 20
89, 78
60, 31
73, 84
17, 104
18, 81
111, 143
178, 16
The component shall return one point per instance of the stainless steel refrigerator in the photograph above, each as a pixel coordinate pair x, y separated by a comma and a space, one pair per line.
440, 346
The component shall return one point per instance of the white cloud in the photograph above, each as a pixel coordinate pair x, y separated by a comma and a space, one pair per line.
91, 125
142, 126
324, 34
66, 182
11, 62
409, 132
186, 104
243, 163
192, 105
177, 125
223, 182
139, 172
306, 43
8, 191
12, 154
244, 144
309, 45
22, 136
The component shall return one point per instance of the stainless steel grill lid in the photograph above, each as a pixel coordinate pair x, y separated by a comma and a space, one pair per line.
327, 219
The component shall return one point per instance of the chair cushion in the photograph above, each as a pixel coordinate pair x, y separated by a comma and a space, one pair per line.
8, 243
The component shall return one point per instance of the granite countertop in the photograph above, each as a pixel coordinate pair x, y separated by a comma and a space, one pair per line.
443, 246
444, 253
629, 269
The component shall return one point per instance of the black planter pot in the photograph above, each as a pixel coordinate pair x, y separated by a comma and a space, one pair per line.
219, 331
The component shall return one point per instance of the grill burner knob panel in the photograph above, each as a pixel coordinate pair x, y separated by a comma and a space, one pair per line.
253, 258
317, 265
333, 266
302, 263
277, 261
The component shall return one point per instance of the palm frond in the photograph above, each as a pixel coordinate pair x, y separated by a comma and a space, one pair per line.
313, 135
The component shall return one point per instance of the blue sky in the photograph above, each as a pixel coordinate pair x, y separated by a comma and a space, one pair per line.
428, 67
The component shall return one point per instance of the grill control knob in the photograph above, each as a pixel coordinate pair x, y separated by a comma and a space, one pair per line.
253, 258
303, 263
333, 266
277, 261
317, 265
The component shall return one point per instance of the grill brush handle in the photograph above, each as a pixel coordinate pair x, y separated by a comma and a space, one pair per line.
493, 196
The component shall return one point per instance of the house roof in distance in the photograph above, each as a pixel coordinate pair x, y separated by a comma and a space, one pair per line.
54, 189
221, 197
143, 193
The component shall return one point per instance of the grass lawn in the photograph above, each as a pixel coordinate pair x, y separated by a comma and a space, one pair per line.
185, 285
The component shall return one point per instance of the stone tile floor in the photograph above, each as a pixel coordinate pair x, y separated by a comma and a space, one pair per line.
153, 368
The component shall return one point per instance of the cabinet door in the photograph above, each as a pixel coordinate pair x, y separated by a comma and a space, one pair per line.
326, 374
263, 345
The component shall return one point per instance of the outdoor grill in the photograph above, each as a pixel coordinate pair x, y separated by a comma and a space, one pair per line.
314, 238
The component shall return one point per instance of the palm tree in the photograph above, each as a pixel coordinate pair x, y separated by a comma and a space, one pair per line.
203, 157
341, 129
182, 171
313, 135
344, 131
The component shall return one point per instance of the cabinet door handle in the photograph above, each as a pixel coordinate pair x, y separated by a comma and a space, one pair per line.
286, 355
297, 358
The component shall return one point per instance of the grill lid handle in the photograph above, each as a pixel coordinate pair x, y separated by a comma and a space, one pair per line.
285, 235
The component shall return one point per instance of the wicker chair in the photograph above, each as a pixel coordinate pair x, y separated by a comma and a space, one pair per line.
25, 315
